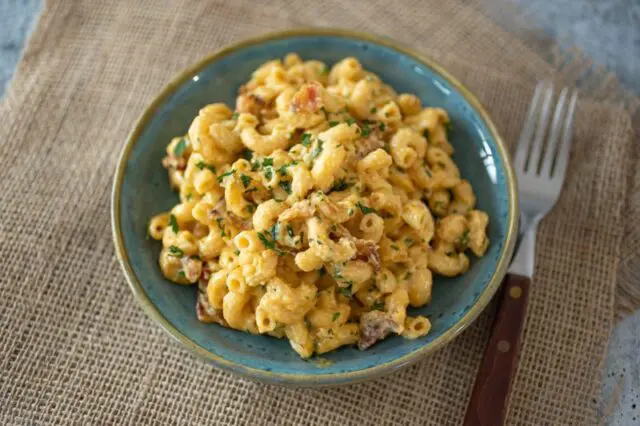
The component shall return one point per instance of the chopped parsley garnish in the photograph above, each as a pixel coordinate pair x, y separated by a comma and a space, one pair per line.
428, 172
268, 174
254, 189
346, 292
335, 316
255, 166
267, 161
175, 251
381, 126
188, 196
202, 165
306, 139
285, 185
340, 185
283, 169
247, 154
333, 123
408, 241
317, 150
289, 231
235, 115
275, 231
364, 209
395, 247
366, 130
373, 110
224, 175
246, 180
195, 257
174, 224
350, 121
378, 305
180, 147
251, 207
181, 274
350, 212
271, 245
221, 226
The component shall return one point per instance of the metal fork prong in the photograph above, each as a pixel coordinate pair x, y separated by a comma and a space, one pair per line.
522, 149
560, 167
538, 142
554, 134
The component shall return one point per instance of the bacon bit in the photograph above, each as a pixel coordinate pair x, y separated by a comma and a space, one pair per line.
374, 326
368, 145
173, 162
250, 104
369, 251
307, 99
299, 210
207, 313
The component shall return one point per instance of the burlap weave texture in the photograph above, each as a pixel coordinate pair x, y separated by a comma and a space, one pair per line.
76, 348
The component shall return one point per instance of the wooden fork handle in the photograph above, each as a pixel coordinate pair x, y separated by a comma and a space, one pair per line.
488, 403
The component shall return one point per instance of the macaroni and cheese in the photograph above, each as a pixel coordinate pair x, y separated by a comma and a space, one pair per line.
318, 209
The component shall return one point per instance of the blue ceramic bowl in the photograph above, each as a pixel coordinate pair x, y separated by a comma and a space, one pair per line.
141, 190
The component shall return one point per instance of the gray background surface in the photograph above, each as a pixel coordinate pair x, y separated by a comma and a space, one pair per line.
608, 30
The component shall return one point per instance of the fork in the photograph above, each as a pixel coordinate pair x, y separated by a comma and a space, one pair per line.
540, 165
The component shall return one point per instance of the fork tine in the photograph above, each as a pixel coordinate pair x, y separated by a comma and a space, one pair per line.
554, 133
524, 142
560, 167
538, 142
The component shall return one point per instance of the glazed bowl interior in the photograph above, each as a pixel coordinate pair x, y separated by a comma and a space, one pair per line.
141, 190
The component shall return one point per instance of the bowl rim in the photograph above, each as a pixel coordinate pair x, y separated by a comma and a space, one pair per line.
314, 380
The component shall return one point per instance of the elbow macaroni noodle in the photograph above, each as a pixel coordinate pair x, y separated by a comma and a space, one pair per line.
318, 210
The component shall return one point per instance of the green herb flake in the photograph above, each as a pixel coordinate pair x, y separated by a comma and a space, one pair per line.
180, 147
251, 208
175, 251
247, 154
317, 150
378, 305
340, 185
335, 316
221, 226
268, 174
246, 180
265, 241
464, 238
428, 172
181, 274
347, 292
366, 130
289, 231
202, 165
408, 241
325, 70
364, 209
195, 257
350, 121
283, 169
255, 165
381, 126
250, 190
224, 175
395, 247
237, 252
174, 224
275, 231
235, 115
285, 185
373, 110
333, 123
188, 196
267, 162
351, 212
306, 139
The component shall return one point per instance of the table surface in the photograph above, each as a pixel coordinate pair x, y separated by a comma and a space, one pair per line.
608, 30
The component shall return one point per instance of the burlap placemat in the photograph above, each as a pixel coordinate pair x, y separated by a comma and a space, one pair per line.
75, 347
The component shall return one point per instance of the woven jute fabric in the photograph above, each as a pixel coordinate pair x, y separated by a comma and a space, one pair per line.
75, 347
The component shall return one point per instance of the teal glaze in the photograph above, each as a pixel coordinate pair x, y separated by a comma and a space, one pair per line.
145, 192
